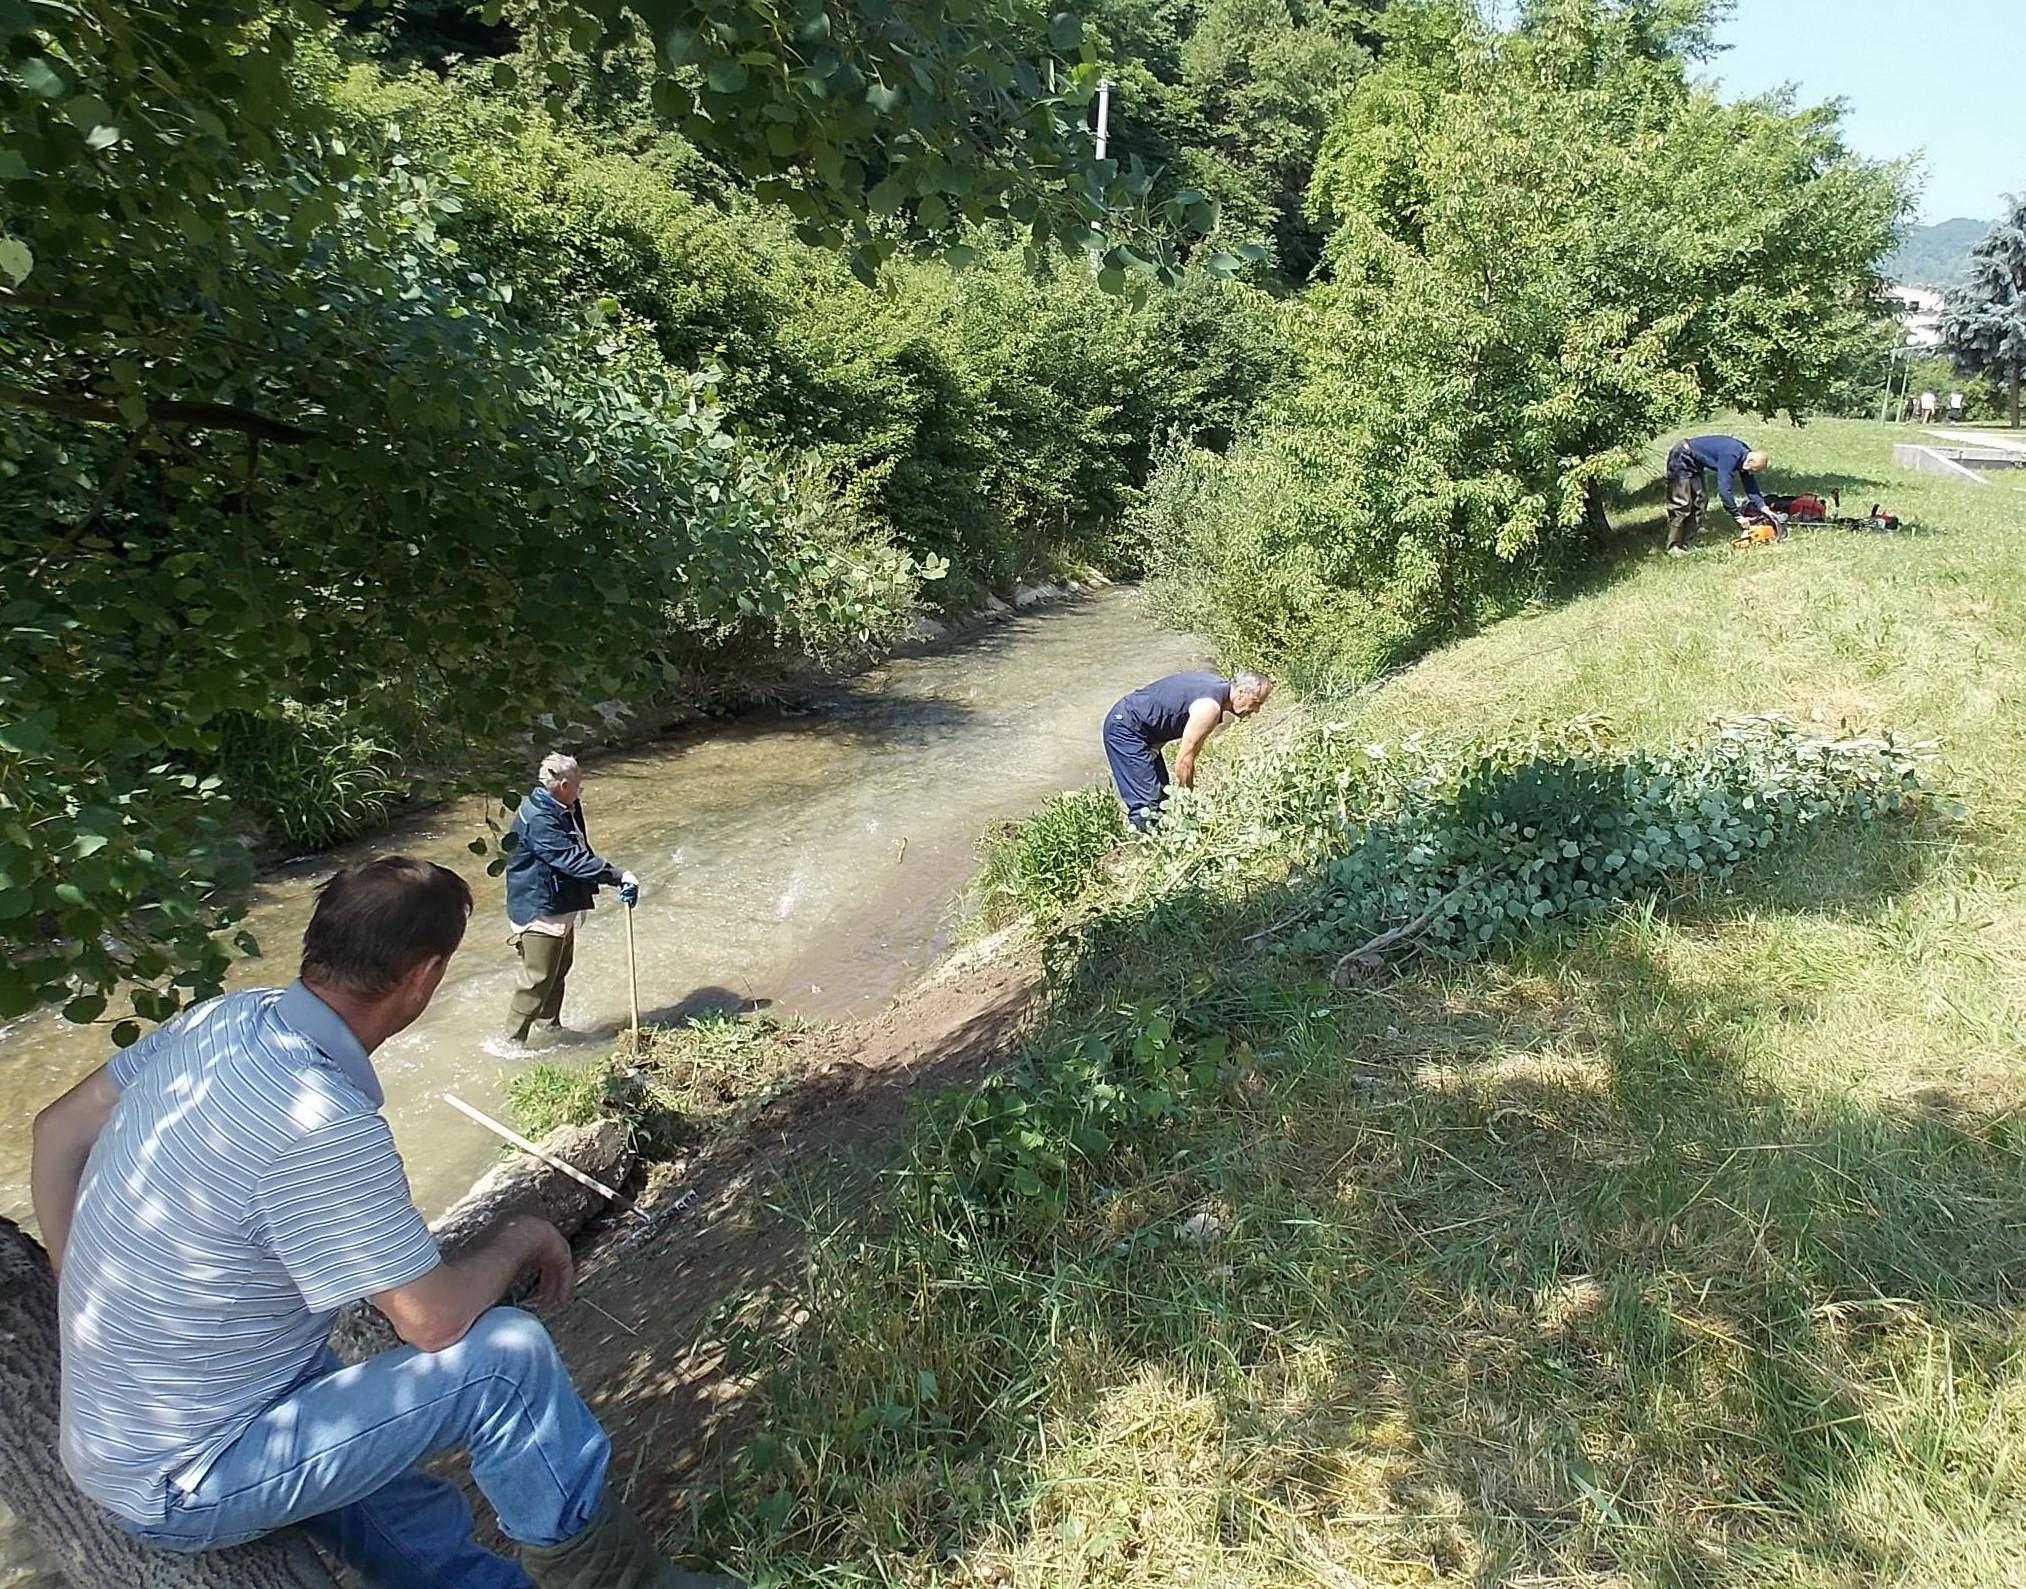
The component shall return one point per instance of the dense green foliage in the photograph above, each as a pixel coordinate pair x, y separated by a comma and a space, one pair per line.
307, 436
877, 123
1933, 256
1506, 840
1000, 420
1037, 865
1984, 320
1529, 282
1229, 100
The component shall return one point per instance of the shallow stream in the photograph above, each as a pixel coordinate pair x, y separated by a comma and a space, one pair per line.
812, 861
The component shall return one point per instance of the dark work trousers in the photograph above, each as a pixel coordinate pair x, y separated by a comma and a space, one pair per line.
1686, 496
1137, 771
538, 993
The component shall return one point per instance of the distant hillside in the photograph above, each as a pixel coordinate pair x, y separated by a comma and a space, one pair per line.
1932, 256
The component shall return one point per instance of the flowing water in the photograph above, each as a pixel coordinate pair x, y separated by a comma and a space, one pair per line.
811, 861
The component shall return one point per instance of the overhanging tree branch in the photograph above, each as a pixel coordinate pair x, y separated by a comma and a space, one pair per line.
165, 411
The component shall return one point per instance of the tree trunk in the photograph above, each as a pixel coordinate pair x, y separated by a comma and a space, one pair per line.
81, 1541
2015, 393
1595, 518
518, 1185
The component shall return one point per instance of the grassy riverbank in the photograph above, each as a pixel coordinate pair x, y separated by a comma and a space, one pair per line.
1675, 1246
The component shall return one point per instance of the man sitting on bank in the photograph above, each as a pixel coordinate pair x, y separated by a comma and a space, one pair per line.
1687, 493
216, 1193
552, 878
1184, 706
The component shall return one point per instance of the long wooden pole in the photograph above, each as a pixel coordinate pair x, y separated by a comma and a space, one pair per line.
546, 1157
633, 979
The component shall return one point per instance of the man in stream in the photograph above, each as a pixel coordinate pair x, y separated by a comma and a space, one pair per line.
217, 1192
1184, 706
1687, 492
552, 877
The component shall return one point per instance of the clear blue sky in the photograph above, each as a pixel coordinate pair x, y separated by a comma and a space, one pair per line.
1931, 77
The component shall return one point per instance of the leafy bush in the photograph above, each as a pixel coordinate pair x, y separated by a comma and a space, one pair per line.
1505, 841
1012, 1149
309, 775
996, 418
1037, 866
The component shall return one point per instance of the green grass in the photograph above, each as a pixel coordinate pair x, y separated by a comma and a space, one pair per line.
702, 1077
1683, 1250
1037, 866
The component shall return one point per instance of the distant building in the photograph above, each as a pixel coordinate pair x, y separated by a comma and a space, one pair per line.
1920, 312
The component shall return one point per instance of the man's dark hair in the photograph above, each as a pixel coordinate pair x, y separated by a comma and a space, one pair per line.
375, 922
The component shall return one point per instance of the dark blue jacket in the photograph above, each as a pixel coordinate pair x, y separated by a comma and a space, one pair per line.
551, 867
1724, 454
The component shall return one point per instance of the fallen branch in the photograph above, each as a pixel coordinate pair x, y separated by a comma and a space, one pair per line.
1394, 936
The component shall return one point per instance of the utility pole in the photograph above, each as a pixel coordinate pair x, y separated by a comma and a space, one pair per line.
1104, 86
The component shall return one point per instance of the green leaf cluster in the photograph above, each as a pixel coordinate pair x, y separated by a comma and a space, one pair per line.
1017, 1150
881, 126
1037, 866
1513, 839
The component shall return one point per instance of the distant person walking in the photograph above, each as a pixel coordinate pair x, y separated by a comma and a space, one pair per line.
1927, 408
1955, 408
1184, 706
1688, 493
552, 878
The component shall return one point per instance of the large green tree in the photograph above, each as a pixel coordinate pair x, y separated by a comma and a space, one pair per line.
1549, 244
1984, 319
1226, 101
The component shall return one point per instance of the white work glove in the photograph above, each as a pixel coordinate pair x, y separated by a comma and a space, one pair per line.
629, 888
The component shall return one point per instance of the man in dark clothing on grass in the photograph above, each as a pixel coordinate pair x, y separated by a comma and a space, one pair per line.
1687, 493
1184, 706
552, 877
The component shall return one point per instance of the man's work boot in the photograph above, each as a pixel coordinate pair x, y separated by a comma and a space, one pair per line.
613, 1551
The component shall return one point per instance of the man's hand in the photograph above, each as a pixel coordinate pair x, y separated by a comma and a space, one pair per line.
434, 1311
629, 889
555, 1269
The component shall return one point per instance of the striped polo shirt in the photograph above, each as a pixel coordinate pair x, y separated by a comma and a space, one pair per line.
245, 1188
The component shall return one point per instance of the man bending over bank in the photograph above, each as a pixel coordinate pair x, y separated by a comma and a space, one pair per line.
1184, 706
1687, 493
216, 1193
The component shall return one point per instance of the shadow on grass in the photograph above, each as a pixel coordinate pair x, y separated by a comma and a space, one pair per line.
1545, 1268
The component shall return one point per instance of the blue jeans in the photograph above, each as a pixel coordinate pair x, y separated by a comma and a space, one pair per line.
1138, 772
339, 1453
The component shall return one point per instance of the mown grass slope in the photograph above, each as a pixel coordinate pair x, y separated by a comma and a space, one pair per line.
1683, 1247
